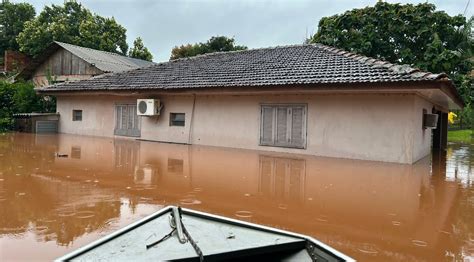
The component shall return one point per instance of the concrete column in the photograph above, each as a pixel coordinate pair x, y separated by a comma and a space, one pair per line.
440, 134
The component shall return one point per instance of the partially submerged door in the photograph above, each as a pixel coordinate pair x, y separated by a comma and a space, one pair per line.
127, 122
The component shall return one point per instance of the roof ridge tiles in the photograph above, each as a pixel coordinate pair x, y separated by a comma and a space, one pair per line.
378, 63
235, 51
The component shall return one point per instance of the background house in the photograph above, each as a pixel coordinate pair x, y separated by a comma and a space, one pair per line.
62, 62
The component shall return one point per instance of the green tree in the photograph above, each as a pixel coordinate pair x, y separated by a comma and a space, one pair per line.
20, 97
7, 92
12, 20
72, 23
411, 34
140, 51
214, 44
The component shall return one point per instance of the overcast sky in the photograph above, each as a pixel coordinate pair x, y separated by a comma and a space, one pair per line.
163, 24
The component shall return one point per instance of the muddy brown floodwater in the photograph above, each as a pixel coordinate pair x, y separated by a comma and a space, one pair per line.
59, 192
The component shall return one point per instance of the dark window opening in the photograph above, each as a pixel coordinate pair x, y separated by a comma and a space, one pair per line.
76, 115
177, 119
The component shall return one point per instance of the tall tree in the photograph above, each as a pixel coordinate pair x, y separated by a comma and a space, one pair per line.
12, 20
140, 51
72, 23
214, 44
411, 34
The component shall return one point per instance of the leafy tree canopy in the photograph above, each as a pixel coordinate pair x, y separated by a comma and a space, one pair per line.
140, 51
12, 19
72, 23
411, 34
214, 44
20, 97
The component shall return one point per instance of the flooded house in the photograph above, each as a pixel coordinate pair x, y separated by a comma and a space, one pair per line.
303, 99
62, 62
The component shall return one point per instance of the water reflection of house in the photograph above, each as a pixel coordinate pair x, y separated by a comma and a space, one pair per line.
361, 200
126, 155
282, 177
56, 210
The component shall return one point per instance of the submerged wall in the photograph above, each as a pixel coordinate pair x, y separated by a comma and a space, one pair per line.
366, 126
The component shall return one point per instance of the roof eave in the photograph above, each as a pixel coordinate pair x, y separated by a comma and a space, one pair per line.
444, 85
447, 86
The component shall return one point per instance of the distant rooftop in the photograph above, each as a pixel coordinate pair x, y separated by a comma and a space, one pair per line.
107, 62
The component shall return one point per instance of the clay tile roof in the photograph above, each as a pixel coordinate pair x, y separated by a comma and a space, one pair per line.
286, 65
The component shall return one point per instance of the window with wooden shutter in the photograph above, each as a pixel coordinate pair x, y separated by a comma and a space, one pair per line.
283, 126
127, 122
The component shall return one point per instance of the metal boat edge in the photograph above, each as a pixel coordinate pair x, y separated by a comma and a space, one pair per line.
200, 214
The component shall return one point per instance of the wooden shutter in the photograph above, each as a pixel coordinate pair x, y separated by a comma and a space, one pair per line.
281, 126
298, 129
266, 130
135, 127
127, 122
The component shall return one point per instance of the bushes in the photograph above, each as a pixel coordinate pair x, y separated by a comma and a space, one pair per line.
21, 97
7, 92
464, 118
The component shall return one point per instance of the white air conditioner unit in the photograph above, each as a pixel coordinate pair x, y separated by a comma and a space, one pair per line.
148, 107
430, 121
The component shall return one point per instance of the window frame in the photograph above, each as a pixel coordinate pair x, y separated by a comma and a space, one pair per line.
127, 112
173, 122
289, 128
75, 117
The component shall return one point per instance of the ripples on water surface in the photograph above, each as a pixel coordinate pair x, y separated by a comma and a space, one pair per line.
50, 205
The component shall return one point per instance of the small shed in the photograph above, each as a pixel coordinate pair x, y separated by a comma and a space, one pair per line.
41, 123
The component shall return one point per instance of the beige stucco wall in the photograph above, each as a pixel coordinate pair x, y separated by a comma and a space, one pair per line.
368, 127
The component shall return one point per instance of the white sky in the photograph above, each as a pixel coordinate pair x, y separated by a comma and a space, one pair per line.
163, 24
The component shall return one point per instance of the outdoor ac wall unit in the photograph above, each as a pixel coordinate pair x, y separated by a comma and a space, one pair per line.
430, 121
148, 107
